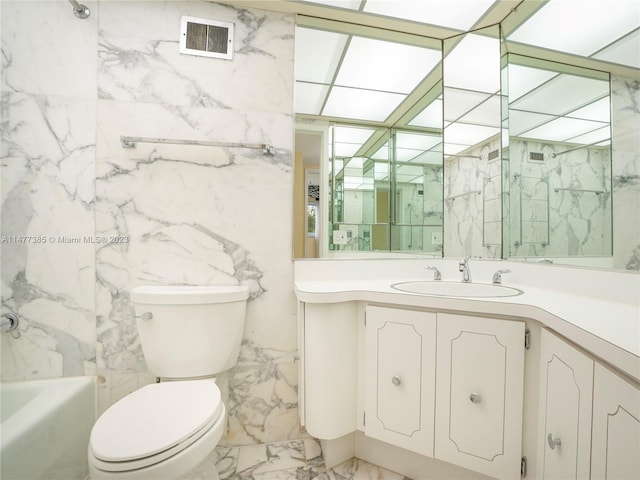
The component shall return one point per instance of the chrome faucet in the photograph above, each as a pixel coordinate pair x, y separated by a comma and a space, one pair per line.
497, 277
544, 260
436, 273
463, 266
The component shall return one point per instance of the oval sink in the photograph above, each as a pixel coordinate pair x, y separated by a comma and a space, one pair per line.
457, 289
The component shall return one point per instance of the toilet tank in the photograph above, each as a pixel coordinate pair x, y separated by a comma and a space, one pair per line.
190, 331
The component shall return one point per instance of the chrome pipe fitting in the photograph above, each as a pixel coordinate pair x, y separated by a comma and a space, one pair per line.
8, 322
79, 10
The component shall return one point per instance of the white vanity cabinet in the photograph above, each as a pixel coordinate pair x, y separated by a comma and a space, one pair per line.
400, 377
469, 412
479, 394
564, 420
615, 448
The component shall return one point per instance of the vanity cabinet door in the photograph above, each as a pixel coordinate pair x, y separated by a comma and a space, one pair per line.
615, 447
400, 377
479, 394
564, 429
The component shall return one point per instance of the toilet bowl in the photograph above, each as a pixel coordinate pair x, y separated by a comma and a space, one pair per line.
166, 430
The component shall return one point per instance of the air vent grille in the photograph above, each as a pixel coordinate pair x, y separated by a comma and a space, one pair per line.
536, 156
207, 38
493, 155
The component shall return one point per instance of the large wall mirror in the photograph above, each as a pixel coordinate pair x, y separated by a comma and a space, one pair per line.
559, 160
472, 141
371, 100
508, 132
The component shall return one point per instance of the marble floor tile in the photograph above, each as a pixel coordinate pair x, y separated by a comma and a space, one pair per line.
258, 459
293, 460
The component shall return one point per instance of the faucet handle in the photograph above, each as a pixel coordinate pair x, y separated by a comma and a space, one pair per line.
497, 277
436, 273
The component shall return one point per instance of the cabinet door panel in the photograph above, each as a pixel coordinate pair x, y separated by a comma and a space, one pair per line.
400, 377
566, 386
479, 390
616, 427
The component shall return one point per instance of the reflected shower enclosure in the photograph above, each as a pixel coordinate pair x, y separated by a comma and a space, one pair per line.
559, 160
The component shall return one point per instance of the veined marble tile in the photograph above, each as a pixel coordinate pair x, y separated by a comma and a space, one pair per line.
114, 387
43, 44
625, 97
579, 223
262, 404
269, 458
226, 461
298, 460
140, 60
47, 252
467, 231
179, 207
354, 470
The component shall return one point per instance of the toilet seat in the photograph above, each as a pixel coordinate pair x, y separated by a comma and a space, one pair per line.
153, 424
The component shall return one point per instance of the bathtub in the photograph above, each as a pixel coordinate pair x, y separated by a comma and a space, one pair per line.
45, 428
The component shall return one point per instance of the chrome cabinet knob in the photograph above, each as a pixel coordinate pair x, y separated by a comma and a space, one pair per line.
396, 380
475, 398
553, 441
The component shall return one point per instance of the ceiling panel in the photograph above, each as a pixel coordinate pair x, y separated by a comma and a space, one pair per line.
466, 134
430, 116
625, 51
478, 54
487, 113
361, 104
461, 102
520, 121
317, 54
524, 79
309, 97
563, 129
580, 27
396, 67
563, 94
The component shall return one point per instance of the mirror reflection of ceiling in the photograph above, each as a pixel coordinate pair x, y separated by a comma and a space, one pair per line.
360, 166
559, 107
602, 30
345, 76
354, 77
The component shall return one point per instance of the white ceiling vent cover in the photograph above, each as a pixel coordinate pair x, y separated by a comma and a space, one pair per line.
207, 38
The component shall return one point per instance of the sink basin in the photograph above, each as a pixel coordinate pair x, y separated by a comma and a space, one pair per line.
457, 289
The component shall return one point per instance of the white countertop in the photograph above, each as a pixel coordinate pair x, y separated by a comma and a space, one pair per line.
607, 325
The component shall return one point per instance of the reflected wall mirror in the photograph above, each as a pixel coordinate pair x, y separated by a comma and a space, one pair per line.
543, 196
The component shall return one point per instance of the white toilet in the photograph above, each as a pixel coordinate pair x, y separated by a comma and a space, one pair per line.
166, 430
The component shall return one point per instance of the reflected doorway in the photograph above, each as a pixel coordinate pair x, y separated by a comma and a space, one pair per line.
307, 208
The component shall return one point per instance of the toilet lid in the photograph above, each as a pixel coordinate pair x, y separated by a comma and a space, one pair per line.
155, 418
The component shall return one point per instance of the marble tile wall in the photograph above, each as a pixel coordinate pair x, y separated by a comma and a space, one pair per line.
171, 214
550, 214
625, 119
472, 204
48, 111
